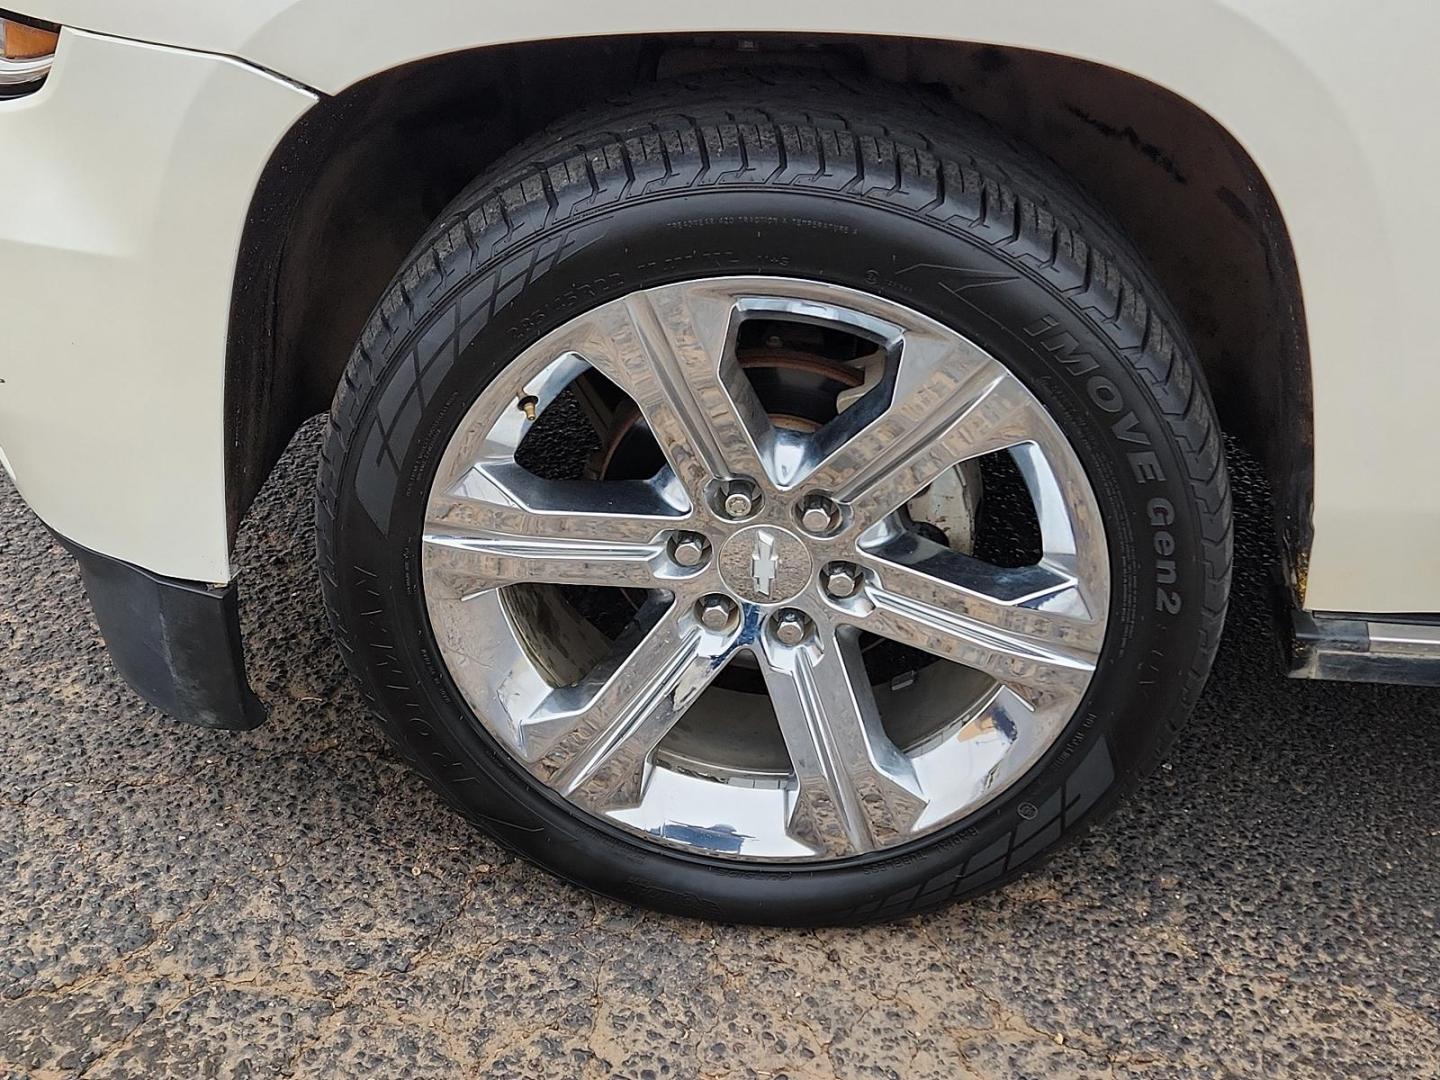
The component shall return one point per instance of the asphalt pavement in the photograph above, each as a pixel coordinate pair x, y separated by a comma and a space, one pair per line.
293, 902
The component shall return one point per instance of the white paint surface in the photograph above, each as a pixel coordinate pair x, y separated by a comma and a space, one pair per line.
124, 185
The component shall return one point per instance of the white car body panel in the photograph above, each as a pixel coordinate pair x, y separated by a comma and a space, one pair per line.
123, 192
1333, 107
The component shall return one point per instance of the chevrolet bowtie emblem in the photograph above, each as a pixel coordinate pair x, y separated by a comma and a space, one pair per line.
762, 562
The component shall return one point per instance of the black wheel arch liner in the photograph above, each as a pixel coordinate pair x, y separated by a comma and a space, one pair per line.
275, 378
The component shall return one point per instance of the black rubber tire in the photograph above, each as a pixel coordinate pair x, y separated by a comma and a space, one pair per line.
862, 185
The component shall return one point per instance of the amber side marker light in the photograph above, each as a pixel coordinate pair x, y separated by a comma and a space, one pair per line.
26, 52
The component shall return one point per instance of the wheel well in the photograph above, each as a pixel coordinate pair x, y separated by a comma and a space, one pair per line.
358, 180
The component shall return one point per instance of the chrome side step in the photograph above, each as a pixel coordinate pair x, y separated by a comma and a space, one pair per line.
1366, 648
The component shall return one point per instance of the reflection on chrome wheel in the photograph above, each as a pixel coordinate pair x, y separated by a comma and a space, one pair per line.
772, 543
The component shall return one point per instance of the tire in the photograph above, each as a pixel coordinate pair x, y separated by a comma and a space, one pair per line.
860, 186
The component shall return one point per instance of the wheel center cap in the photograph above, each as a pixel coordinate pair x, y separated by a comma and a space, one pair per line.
765, 564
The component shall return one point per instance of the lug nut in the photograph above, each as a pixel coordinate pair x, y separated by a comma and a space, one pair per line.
840, 580
717, 611
791, 627
688, 549
738, 505
738, 498
819, 515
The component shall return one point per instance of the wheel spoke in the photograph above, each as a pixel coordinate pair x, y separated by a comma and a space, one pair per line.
669, 350
948, 403
593, 741
500, 525
1026, 627
856, 790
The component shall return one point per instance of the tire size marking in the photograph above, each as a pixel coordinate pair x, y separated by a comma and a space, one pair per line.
713, 260
764, 220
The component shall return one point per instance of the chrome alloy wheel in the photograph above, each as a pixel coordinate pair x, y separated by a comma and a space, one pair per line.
764, 546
